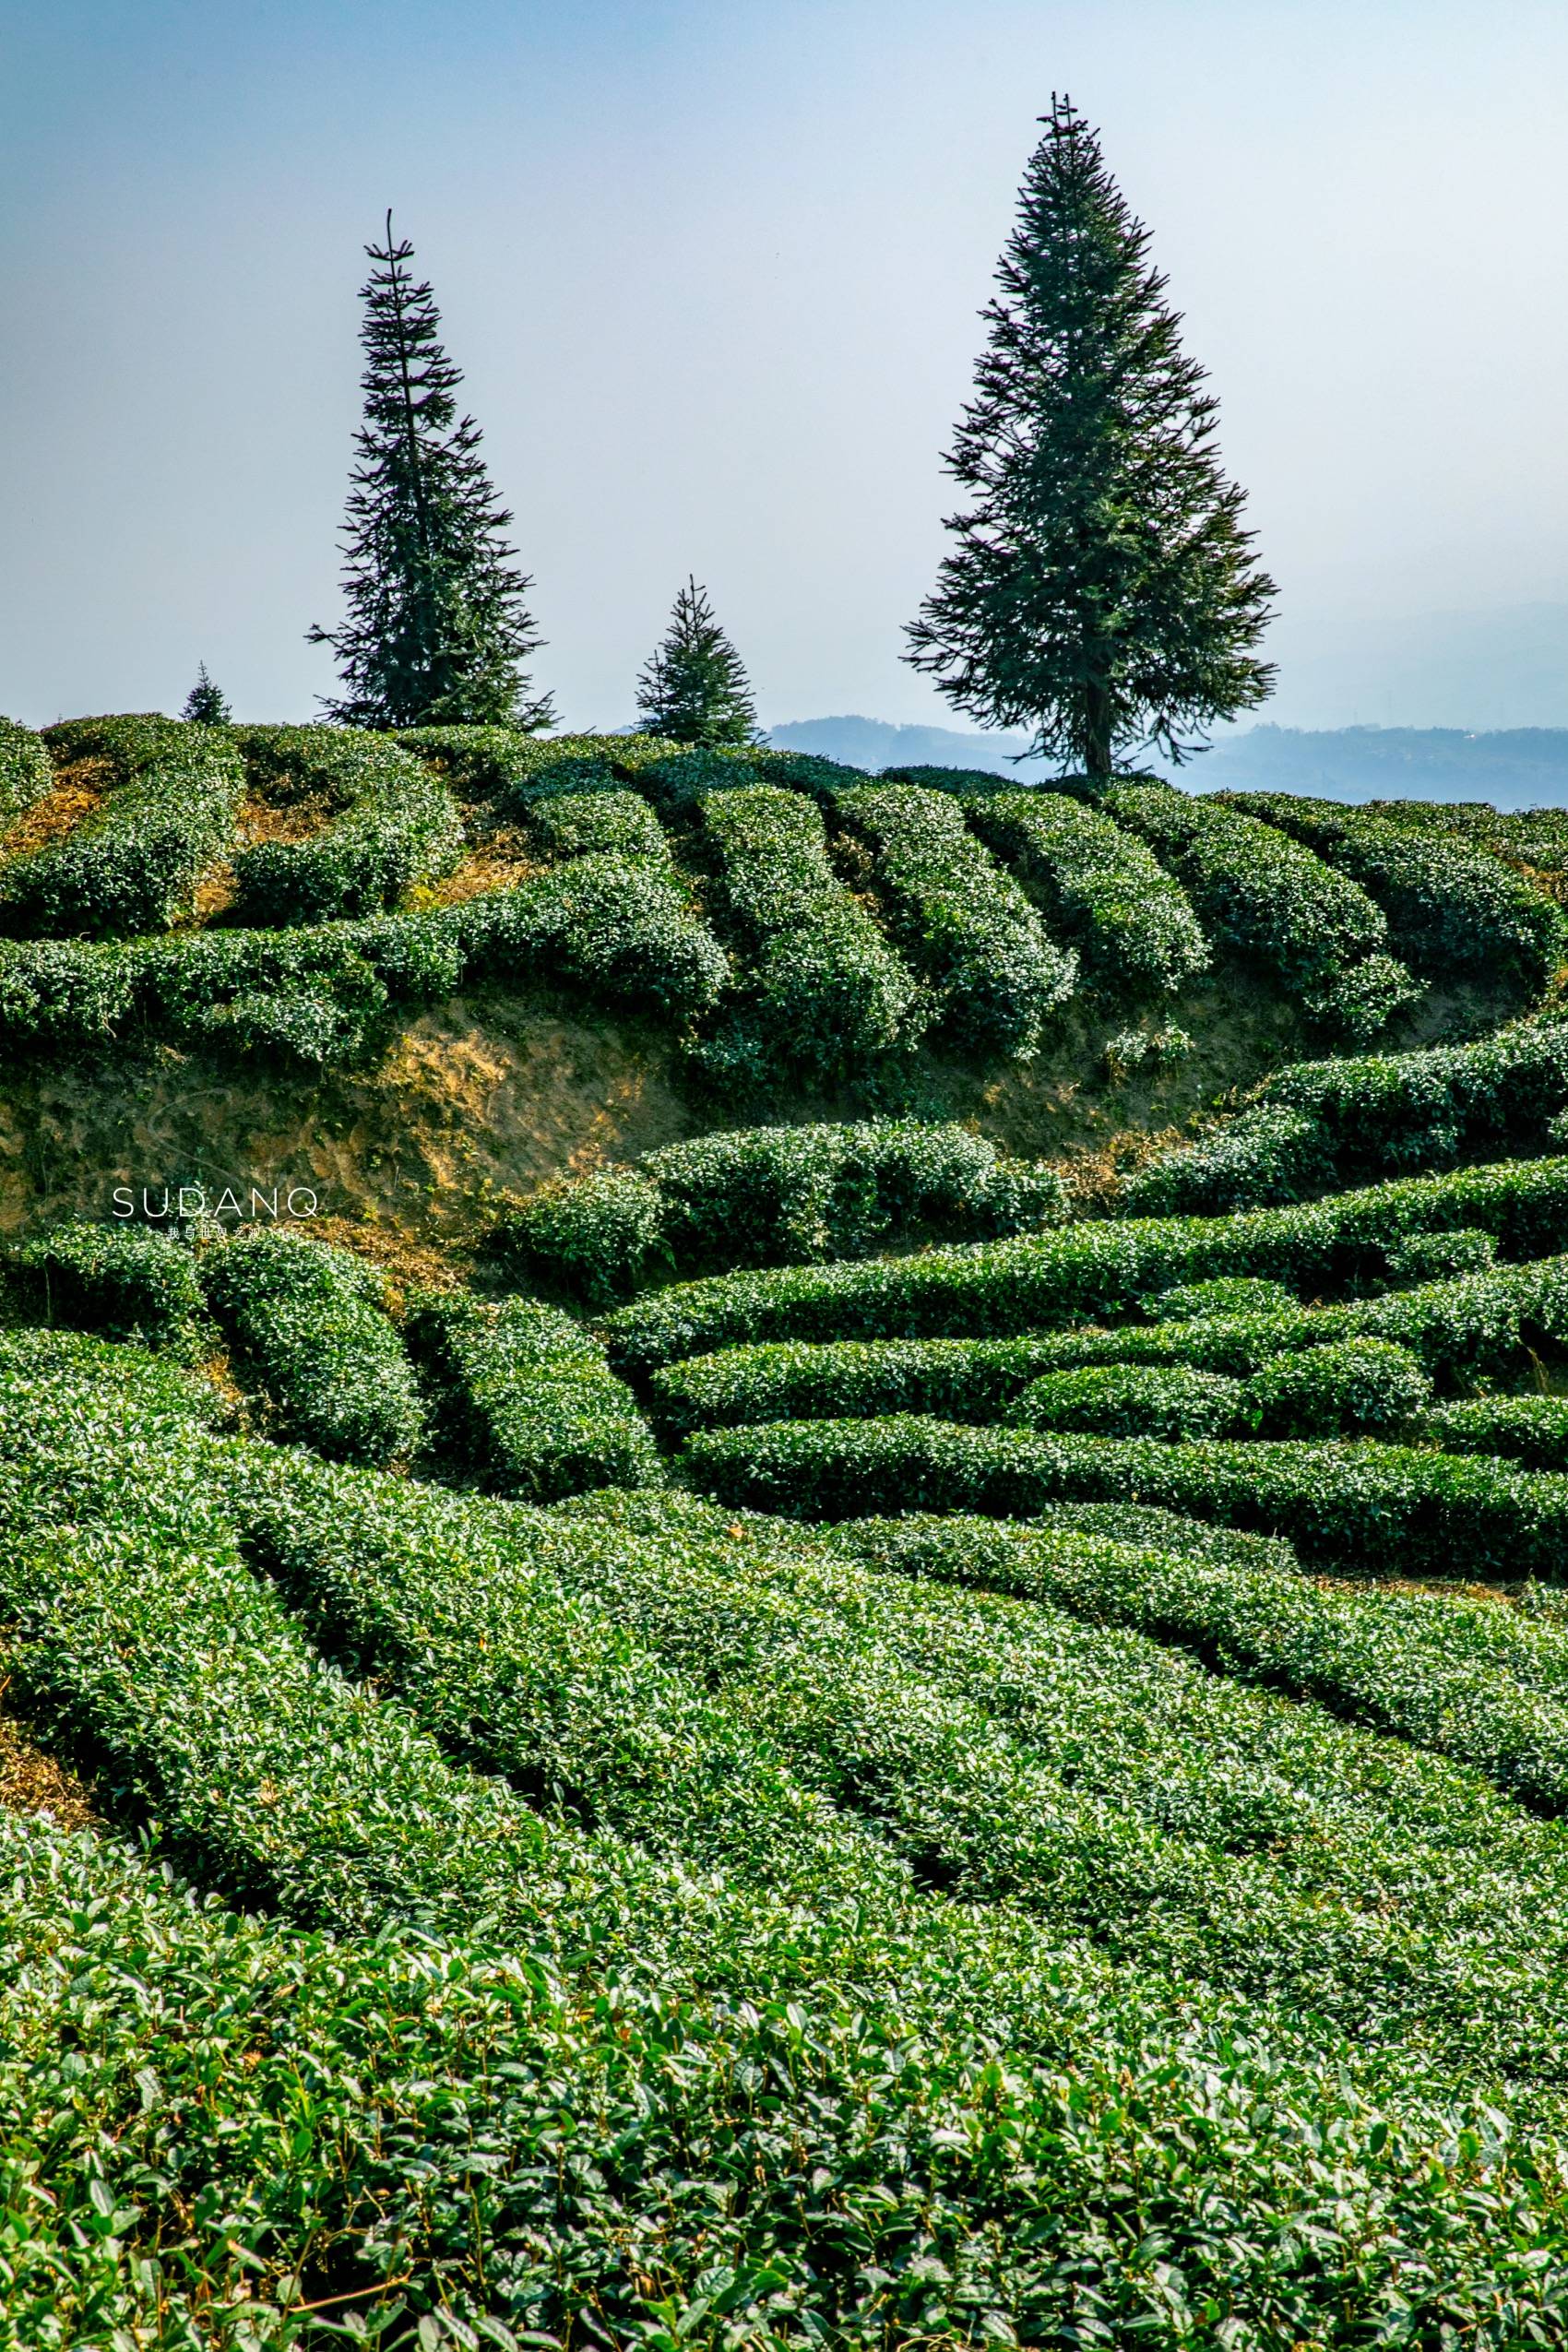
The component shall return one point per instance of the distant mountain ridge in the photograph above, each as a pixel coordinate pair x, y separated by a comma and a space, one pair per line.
1514, 767
878, 743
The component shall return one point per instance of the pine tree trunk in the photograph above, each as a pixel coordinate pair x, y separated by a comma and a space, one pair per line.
1096, 735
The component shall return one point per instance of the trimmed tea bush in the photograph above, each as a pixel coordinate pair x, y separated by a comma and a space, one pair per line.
761, 1193
961, 920
1263, 895
1260, 1157
602, 2056
25, 773
620, 825
309, 995
1529, 1429
679, 780
1435, 1257
159, 1385
764, 1194
467, 1615
1098, 887
66, 994
124, 1281
1133, 1400
625, 933
1095, 1269
501, 764
1463, 1676
132, 864
1396, 1509
1452, 908
524, 1395
1316, 1124
309, 1331
823, 989
966, 782
1478, 1327
788, 1380
597, 1238
1382, 1110
393, 824
1236, 1294
1351, 1388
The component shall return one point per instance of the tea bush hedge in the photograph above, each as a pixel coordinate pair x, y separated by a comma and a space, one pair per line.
309, 1331
134, 2082
595, 1239
1314, 1125
162, 1388
122, 1281
1100, 888
1529, 1429
1133, 1400
1434, 1257
786, 1380
1361, 1506
132, 863
1348, 1388
1001, 1288
1467, 1329
1465, 1676
523, 1395
26, 773
763, 1193
392, 824
1464, 1330
1452, 908
753, 1195
503, 764
824, 991
627, 932
960, 920
1259, 893
467, 1615
604, 2082
1187, 1824
1236, 1294
624, 933
620, 825
1259, 1158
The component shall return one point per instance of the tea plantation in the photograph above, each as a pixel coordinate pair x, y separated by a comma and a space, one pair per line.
832, 1733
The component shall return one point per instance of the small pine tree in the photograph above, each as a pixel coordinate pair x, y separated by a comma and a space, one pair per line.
205, 704
1102, 591
438, 627
694, 687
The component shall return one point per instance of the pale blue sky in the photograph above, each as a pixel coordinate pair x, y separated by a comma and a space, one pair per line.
712, 272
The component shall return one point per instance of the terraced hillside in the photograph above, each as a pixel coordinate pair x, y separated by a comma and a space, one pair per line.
908, 1689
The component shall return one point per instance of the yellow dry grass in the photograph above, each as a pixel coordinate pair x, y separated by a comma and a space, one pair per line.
31, 1782
77, 792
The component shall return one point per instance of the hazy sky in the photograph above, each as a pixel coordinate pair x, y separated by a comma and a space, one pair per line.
712, 267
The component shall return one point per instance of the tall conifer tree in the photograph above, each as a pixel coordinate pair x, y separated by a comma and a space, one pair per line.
206, 703
438, 628
694, 687
1102, 591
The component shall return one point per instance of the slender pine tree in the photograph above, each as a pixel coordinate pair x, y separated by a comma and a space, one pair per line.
1102, 591
206, 703
694, 687
438, 628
